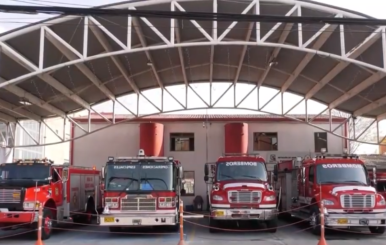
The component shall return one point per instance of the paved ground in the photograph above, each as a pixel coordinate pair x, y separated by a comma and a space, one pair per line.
289, 234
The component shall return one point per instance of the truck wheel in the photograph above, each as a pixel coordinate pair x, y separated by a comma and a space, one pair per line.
213, 224
377, 229
271, 225
315, 220
47, 224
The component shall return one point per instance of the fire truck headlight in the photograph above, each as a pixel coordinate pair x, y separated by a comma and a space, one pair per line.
327, 202
381, 202
166, 202
217, 198
111, 202
31, 205
269, 198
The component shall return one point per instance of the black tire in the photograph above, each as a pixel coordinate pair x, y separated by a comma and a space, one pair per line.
315, 220
377, 229
115, 229
213, 224
47, 224
271, 225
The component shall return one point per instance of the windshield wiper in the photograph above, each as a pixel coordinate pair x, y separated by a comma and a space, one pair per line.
252, 177
354, 181
228, 176
331, 182
126, 186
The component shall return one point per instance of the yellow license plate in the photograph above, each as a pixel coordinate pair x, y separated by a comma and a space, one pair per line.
109, 219
219, 213
342, 221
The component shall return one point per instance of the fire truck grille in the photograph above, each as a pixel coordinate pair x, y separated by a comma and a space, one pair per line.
357, 201
244, 196
10, 196
138, 204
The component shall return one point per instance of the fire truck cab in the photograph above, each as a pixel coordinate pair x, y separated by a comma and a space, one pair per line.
239, 190
341, 182
141, 191
66, 193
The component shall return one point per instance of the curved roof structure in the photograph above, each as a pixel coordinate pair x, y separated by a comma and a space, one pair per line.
66, 64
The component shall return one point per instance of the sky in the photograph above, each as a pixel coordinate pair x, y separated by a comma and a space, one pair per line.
374, 8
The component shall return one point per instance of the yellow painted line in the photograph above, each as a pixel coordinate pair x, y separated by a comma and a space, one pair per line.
192, 233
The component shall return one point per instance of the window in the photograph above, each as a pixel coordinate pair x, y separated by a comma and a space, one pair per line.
320, 139
182, 142
265, 142
311, 174
188, 184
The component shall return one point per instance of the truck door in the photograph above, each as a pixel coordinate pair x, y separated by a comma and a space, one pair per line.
310, 184
210, 170
56, 185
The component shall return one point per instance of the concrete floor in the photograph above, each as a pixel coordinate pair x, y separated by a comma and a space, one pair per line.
288, 234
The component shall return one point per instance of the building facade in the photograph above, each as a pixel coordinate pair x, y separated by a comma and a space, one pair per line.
198, 139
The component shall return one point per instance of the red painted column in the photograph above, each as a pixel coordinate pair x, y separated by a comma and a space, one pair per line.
151, 138
236, 138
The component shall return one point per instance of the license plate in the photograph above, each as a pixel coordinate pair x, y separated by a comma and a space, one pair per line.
109, 219
219, 213
364, 222
137, 222
342, 221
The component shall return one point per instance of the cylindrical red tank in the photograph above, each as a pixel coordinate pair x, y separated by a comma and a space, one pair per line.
151, 139
236, 138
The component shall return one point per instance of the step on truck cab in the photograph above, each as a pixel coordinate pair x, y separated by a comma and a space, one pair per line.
66, 193
340, 181
239, 190
141, 191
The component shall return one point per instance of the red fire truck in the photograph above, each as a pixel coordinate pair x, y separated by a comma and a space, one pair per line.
376, 165
141, 191
239, 190
341, 182
64, 191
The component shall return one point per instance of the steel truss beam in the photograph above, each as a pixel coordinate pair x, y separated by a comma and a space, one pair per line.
311, 47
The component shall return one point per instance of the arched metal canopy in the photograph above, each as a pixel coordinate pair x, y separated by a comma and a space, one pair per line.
66, 64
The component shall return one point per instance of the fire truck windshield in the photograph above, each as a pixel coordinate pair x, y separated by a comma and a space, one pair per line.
241, 170
23, 172
139, 176
342, 173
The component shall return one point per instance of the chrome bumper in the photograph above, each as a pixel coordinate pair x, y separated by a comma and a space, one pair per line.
350, 220
243, 214
137, 219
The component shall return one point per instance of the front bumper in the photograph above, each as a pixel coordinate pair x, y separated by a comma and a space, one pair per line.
351, 220
8, 218
138, 219
243, 214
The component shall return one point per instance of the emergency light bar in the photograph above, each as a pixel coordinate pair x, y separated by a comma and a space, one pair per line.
141, 155
253, 154
44, 160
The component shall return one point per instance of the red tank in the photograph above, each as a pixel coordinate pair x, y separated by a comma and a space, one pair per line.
151, 139
236, 138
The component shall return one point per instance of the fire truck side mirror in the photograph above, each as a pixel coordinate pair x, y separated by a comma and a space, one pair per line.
374, 175
206, 170
103, 173
180, 172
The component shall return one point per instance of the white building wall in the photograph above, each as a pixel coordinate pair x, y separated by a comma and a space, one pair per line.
123, 140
